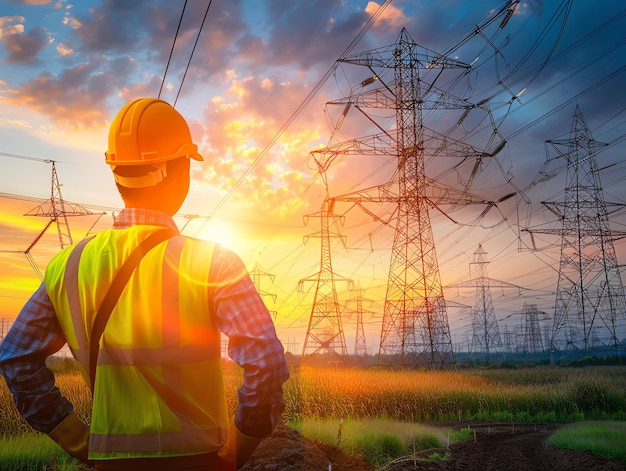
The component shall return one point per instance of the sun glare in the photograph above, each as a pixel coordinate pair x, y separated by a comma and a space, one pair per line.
223, 233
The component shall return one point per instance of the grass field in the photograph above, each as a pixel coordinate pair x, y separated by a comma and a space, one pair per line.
540, 394
524, 395
605, 438
32, 451
377, 441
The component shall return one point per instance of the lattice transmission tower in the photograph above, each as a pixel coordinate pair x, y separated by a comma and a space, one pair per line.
532, 341
415, 327
485, 333
257, 274
590, 310
413, 82
325, 335
360, 343
57, 210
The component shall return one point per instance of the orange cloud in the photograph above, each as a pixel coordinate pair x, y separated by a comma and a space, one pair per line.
393, 17
65, 48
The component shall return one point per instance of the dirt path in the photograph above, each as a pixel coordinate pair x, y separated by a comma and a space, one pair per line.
496, 447
520, 448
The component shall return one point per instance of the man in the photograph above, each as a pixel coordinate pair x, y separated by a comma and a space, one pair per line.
149, 343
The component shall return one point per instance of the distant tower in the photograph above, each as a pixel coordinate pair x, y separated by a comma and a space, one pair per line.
325, 332
360, 345
485, 333
291, 346
58, 210
532, 341
589, 311
257, 274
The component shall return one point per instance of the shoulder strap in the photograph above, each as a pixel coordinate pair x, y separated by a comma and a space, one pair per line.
114, 292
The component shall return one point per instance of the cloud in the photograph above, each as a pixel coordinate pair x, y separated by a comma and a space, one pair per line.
11, 29
77, 96
392, 18
65, 48
16, 123
248, 111
112, 27
23, 47
309, 33
236, 141
29, 2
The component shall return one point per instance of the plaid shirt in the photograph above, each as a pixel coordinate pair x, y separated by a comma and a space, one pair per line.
239, 313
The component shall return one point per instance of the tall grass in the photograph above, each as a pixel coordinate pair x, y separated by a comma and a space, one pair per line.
602, 438
540, 394
377, 441
529, 395
35, 452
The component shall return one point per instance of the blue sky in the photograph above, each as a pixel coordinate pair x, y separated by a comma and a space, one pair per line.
67, 67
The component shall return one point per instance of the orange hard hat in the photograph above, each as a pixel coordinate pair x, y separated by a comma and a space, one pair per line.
148, 131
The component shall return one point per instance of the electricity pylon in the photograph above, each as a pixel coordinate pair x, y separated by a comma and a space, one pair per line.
257, 274
325, 334
415, 327
531, 341
485, 333
407, 78
590, 309
57, 210
360, 344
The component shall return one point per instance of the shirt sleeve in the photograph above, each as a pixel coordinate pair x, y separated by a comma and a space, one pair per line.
241, 314
34, 336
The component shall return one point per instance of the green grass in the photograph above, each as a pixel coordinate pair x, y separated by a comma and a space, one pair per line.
377, 441
524, 395
530, 395
35, 452
606, 438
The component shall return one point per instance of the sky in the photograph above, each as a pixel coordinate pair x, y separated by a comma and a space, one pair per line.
262, 91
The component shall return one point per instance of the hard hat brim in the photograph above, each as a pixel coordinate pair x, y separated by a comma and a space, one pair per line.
147, 131
186, 150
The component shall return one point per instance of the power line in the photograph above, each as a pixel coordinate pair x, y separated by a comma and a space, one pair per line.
193, 50
25, 157
172, 50
40, 159
295, 114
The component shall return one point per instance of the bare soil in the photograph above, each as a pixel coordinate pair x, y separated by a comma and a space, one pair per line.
493, 447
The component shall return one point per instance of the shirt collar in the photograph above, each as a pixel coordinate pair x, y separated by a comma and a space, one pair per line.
128, 217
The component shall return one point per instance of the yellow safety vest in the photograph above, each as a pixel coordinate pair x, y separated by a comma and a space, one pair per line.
158, 388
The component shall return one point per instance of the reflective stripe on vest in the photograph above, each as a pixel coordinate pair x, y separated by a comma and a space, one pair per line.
158, 388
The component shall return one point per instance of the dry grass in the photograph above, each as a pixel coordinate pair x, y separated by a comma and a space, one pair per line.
525, 395
541, 394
